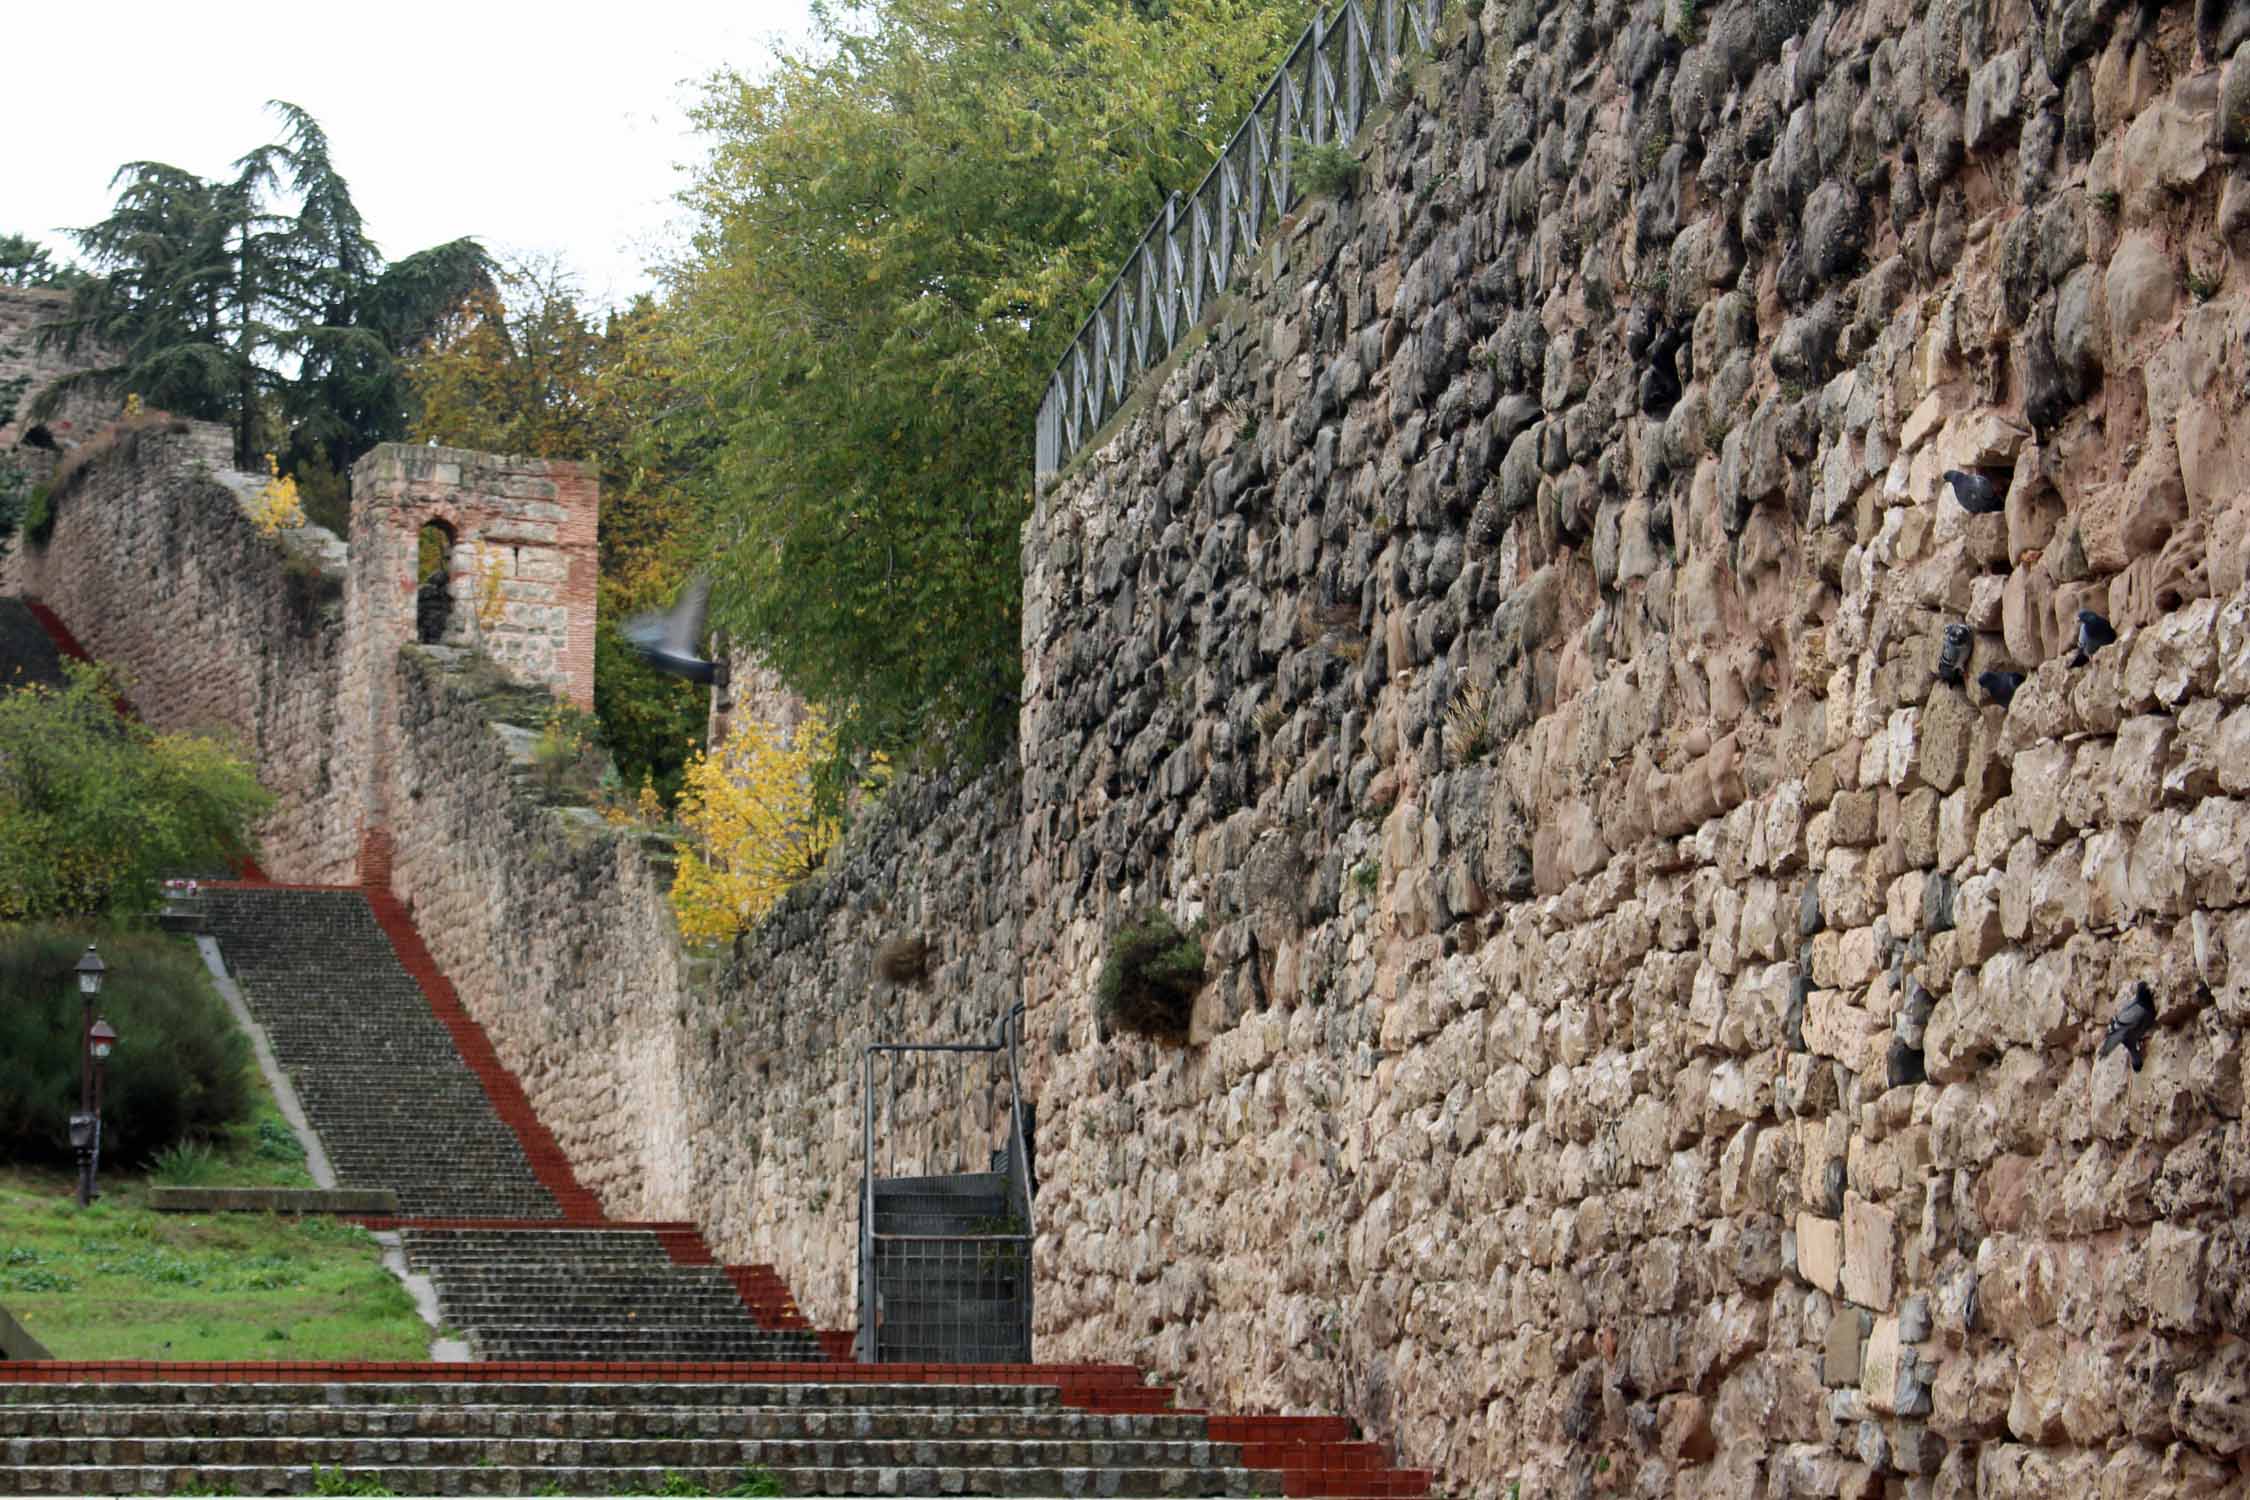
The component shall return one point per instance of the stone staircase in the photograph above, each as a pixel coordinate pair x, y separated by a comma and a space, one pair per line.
381, 1076
407, 1093
555, 1294
616, 1436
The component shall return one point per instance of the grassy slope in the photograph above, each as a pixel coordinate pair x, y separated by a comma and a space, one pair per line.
121, 1281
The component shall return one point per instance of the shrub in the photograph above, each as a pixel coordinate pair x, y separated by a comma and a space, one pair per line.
754, 811
1323, 169
277, 507
1149, 980
185, 1164
180, 1069
567, 758
94, 807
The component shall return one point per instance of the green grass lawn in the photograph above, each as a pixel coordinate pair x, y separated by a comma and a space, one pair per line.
118, 1280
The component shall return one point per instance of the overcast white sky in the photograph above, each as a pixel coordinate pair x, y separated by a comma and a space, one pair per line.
536, 128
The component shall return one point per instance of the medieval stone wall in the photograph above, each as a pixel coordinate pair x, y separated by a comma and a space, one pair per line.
156, 567
1652, 1038
23, 312
686, 1088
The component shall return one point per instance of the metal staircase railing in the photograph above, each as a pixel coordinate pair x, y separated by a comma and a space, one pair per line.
958, 1290
1341, 66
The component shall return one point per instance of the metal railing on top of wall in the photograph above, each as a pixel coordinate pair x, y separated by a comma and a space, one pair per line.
1338, 70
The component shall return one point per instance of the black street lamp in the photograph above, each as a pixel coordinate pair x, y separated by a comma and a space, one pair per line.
86, 1125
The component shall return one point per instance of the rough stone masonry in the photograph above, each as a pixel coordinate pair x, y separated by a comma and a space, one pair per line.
1652, 1047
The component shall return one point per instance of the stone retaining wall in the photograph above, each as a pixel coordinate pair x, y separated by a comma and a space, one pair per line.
1652, 1045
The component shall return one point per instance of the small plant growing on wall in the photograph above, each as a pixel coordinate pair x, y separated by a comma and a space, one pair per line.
276, 507
903, 959
1149, 980
1324, 169
565, 757
490, 600
1468, 725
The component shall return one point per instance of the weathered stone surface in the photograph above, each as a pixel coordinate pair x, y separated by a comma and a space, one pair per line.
1514, 1088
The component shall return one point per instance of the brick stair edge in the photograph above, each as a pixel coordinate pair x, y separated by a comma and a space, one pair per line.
1082, 1379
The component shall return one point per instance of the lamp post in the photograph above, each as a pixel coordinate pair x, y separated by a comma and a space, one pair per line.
86, 1125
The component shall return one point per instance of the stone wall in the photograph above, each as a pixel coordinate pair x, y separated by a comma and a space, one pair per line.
23, 311
679, 1091
1652, 1037
523, 566
156, 567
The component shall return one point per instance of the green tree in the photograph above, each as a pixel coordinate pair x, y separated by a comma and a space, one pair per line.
26, 262
95, 807
259, 300
898, 231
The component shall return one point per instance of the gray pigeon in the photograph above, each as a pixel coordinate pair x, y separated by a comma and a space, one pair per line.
1978, 495
2094, 632
2130, 1027
2000, 687
1953, 653
670, 640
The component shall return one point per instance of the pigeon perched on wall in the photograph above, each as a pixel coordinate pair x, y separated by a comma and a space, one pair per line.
1953, 653
2000, 687
670, 640
2130, 1027
2094, 632
1977, 495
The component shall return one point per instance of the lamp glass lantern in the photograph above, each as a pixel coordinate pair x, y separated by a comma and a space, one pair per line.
101, 1039
90, 970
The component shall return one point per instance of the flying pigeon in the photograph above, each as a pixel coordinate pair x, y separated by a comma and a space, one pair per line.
2000, 687
1978, 495
2130, 1027
669, 640
1953, 654
2094, 632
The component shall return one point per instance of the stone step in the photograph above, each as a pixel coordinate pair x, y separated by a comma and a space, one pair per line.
629, 1342
351, 1452
873, 1423
530, 1312
404, 1479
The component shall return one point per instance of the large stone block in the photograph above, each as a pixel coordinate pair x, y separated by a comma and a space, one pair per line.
1870, 1254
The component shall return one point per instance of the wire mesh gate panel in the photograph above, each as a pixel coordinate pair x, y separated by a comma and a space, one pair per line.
972, 1304
945, 1203
1343, 64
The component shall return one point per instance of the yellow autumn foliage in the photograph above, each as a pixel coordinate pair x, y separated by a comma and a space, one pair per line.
277, 506
758, 831
491, 600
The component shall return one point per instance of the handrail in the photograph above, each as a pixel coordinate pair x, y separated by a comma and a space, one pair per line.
1136, 324
1020, 1182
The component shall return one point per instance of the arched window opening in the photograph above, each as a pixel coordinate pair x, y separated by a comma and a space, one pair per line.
433, 597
